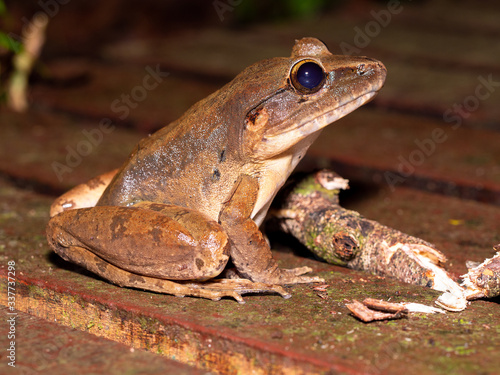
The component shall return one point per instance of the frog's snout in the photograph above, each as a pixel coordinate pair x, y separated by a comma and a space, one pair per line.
372, 65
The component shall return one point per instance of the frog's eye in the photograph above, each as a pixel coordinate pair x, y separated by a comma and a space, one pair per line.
307, 76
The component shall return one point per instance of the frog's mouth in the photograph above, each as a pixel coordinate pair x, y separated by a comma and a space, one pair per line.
325, 119
279, 142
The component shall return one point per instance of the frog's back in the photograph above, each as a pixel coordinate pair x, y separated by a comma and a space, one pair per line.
185, 163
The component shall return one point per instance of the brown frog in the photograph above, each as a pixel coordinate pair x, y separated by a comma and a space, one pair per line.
192, 196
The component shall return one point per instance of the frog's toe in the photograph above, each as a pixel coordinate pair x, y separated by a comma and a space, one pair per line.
280, 290
299, 279
299, 270
307, 279
315, 279
238, 298
230, 293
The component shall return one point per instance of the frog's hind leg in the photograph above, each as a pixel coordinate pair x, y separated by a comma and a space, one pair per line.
213, 289
83, 195
149, 245
150, 239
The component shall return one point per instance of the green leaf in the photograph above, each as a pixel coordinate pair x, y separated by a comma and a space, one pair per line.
9, 43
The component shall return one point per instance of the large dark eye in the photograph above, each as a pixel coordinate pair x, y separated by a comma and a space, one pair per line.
307, 76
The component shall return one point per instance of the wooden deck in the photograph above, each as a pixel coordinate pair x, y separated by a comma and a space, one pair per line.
423, 157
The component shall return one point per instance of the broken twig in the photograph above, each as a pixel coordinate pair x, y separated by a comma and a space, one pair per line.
483, 280
309, 210
375, 309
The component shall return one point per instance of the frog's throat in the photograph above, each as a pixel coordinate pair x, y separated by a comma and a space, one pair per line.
278, 143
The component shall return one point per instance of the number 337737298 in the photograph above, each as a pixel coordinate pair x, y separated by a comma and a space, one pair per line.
11, 285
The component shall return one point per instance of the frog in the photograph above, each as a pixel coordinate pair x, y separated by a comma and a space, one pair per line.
190, 199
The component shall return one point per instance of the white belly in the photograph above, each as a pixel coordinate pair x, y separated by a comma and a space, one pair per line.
273, 173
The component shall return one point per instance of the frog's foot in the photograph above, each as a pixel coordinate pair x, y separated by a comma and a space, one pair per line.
217, 288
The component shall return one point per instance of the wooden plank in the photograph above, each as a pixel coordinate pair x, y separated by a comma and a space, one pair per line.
463, 17
429, 73
398, 149
39, 350
463, 230
445, 38
147, 96
438, 68
57, 152
224, 337
305, 334
368, 145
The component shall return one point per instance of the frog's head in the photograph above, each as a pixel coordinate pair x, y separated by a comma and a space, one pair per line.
298, 96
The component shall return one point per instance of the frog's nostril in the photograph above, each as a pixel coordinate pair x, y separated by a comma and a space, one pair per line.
361, 69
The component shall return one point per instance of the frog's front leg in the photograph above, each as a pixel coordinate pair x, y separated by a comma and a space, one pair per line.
148, 245
250, 251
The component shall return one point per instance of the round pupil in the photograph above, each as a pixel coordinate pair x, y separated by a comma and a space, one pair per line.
310, 75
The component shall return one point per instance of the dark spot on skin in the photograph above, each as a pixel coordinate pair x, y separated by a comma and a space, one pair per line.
302, 100
199, 263
101, 265
136, 279
345, 72
179, 214
156, 234
251, 118
216, 175
222, 156
159, 283
119, 224
155, 206
222, 264
95, 183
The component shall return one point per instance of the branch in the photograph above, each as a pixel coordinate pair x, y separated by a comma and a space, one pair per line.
309, 210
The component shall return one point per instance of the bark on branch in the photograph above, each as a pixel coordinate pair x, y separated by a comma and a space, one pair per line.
308, 208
